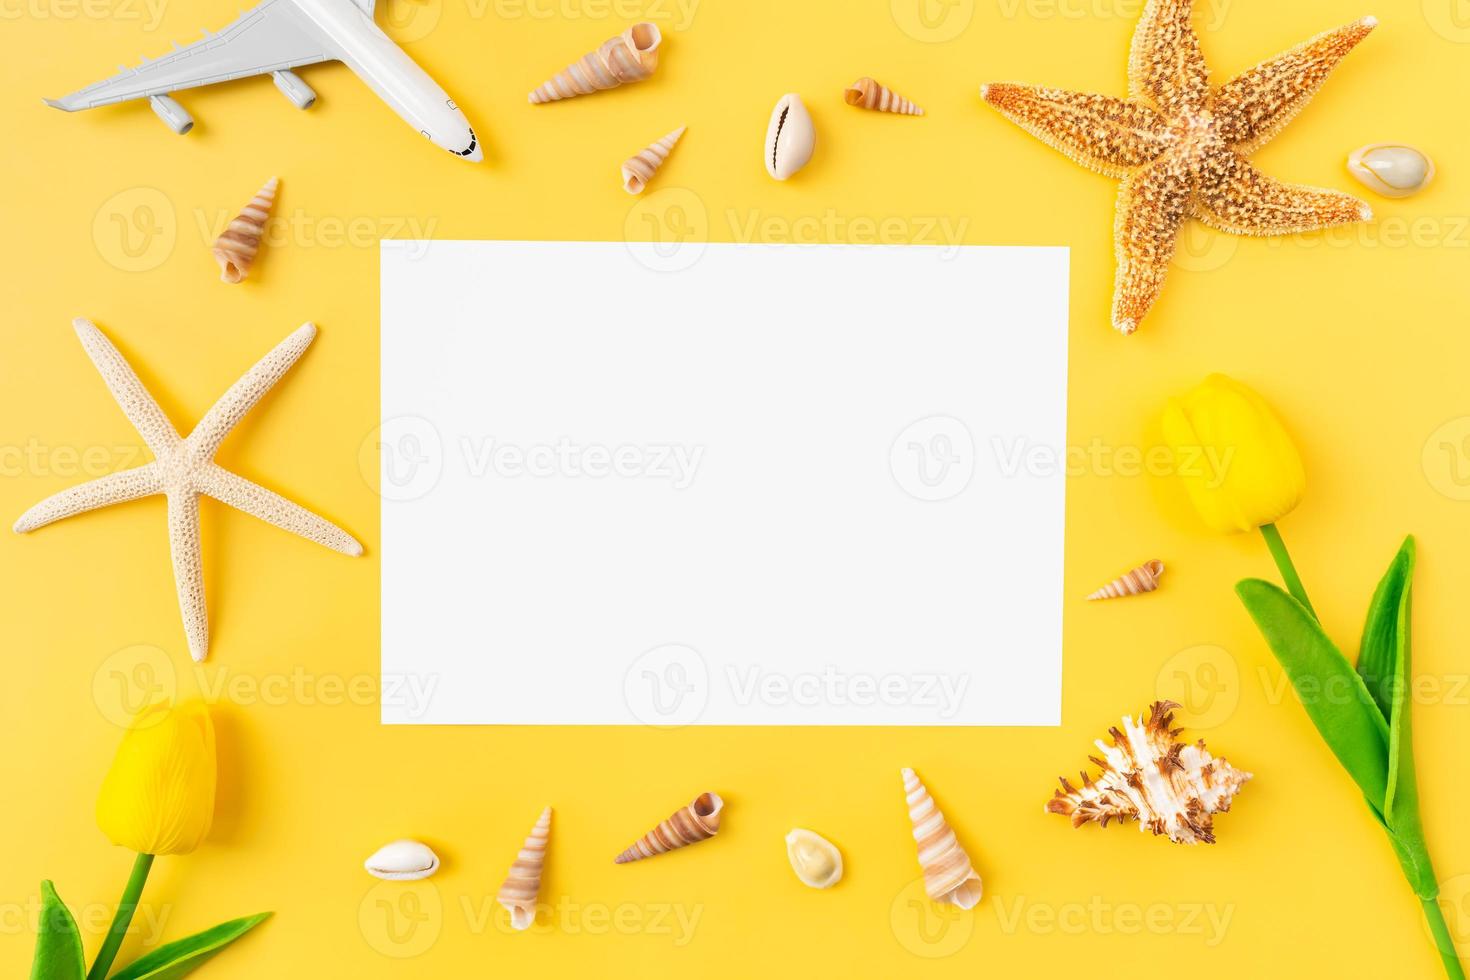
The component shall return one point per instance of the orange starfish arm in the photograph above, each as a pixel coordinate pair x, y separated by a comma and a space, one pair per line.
1254, 107
1105, 134
1152, 204
1247, 202
1165, 63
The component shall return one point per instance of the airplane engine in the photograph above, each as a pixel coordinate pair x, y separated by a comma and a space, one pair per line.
175, 116
293, 88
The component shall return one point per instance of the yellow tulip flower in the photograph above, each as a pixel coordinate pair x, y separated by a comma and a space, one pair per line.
1239, 465
158, 797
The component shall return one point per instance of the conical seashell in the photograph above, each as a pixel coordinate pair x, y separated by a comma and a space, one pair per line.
1391, 169
523, 884
639, 170
790, 137
235, 249
948, 875
630, 57
1144, 578
1167, 786
402, 860
815, 859
698, 821
867, 93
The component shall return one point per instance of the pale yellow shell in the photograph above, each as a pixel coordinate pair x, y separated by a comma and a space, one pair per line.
1391, 169
698, 821
948, 874
866, 93
235, 249
1144, 578
522, 886
639, 169
630, 57
1149, 776
816, 860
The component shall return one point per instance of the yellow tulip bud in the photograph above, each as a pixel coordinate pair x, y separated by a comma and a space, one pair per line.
158, 797
1236, 460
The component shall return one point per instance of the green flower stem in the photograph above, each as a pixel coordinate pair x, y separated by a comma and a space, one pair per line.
1288, 570
124, 918
1443, 940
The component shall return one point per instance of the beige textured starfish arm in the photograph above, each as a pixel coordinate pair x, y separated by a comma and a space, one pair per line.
1102, 133
1252, 108
1248, 202
251, 388
272, 508
1152, 204
1165, 63
183, 545
136, 403
114, 488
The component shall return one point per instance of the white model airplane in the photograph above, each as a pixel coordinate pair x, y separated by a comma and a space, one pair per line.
275, 37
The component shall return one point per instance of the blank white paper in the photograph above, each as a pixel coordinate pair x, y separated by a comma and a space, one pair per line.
774, 485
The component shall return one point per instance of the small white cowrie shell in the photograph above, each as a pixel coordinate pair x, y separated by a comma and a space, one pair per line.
790, 137
402, 860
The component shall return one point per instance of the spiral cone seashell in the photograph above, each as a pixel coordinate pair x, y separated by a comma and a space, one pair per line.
630, 57
866, 93
698, 821
638, 170
236, 248
1149, 776
948, 875
523, 885
1144, 578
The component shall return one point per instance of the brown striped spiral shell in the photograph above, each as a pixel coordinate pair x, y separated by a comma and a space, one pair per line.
236, 248
698, 821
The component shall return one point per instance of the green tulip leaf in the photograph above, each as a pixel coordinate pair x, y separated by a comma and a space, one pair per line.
1378, 653
184, 956
1385, 664
58, 944
1334, 695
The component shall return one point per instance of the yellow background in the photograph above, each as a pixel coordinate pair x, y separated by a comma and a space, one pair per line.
1357, 336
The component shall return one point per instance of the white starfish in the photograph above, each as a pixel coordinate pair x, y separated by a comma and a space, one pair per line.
183, 468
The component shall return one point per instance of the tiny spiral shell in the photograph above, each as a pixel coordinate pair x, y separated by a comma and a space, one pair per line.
639, 169
865, 93
630, 57
698, 821
523, 885
236, 248
1144, 578
948, 874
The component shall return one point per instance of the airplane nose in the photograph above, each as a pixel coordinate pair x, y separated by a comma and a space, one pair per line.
476, 156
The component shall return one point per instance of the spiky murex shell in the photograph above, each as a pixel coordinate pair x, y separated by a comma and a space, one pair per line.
1147, 774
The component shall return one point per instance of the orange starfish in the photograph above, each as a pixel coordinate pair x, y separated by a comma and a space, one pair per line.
1180, 146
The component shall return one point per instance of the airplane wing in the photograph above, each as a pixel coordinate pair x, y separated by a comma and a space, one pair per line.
274, 36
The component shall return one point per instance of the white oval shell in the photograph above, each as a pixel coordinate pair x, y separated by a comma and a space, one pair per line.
1391, 169
402, 860
790, 137
815, 859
